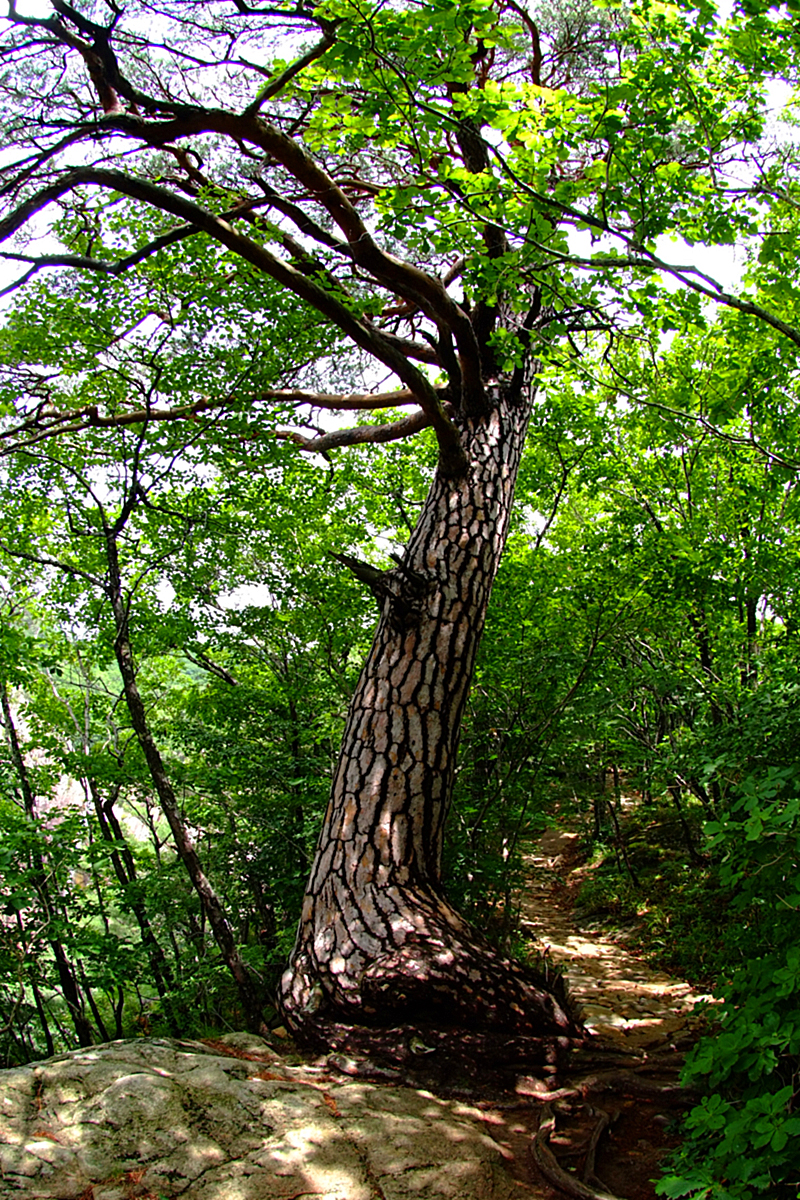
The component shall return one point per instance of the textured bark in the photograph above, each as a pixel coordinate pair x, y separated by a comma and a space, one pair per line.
378, 943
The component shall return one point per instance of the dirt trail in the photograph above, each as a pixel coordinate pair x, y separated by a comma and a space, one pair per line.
641, 1021
624, 1001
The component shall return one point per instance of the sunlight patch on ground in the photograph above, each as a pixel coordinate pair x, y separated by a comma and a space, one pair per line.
622, 999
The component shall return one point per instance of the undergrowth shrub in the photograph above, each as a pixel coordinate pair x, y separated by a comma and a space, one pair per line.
676, 913
743, 1139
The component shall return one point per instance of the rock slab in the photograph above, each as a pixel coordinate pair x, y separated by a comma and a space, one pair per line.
153, 1119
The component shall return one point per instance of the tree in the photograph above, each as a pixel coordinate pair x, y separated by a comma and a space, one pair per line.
406, 178
39, 874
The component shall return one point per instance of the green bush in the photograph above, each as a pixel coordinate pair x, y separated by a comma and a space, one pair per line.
743, 1139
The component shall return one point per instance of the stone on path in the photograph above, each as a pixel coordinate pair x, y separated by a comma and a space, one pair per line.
160, 1118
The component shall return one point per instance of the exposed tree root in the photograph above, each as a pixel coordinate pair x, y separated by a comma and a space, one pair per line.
627, 1083
553, 1172
597, 1055
474, 1063
604, 1121
533, 1074
447, 976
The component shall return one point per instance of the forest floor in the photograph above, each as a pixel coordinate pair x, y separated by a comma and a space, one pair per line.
641, 1022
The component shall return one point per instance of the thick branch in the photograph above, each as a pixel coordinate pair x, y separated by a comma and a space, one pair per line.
55, 424
364, 335
359, 435
300, 13
80, 262
208, 664
279, 82
302, 220
426, 291
355, 401
416, 350
42, 560
40, 427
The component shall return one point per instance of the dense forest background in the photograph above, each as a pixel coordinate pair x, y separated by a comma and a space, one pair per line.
643, 639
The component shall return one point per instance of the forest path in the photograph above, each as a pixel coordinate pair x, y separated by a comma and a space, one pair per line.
625, 1082
624, 1001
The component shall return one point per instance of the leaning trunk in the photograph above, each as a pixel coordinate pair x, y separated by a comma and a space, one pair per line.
124, 865
378, 942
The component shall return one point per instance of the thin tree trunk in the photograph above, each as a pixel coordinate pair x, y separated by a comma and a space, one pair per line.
619, 841
66, 974
750, 669
297, 815
696, 858
210, 902
98, 1019
40, 1009
118, 1007
706, 662
378, 942
125, 870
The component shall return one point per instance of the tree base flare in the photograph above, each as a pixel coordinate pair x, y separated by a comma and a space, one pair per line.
426, 996
447, 1061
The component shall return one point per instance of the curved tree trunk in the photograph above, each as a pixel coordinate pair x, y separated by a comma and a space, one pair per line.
378, 943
